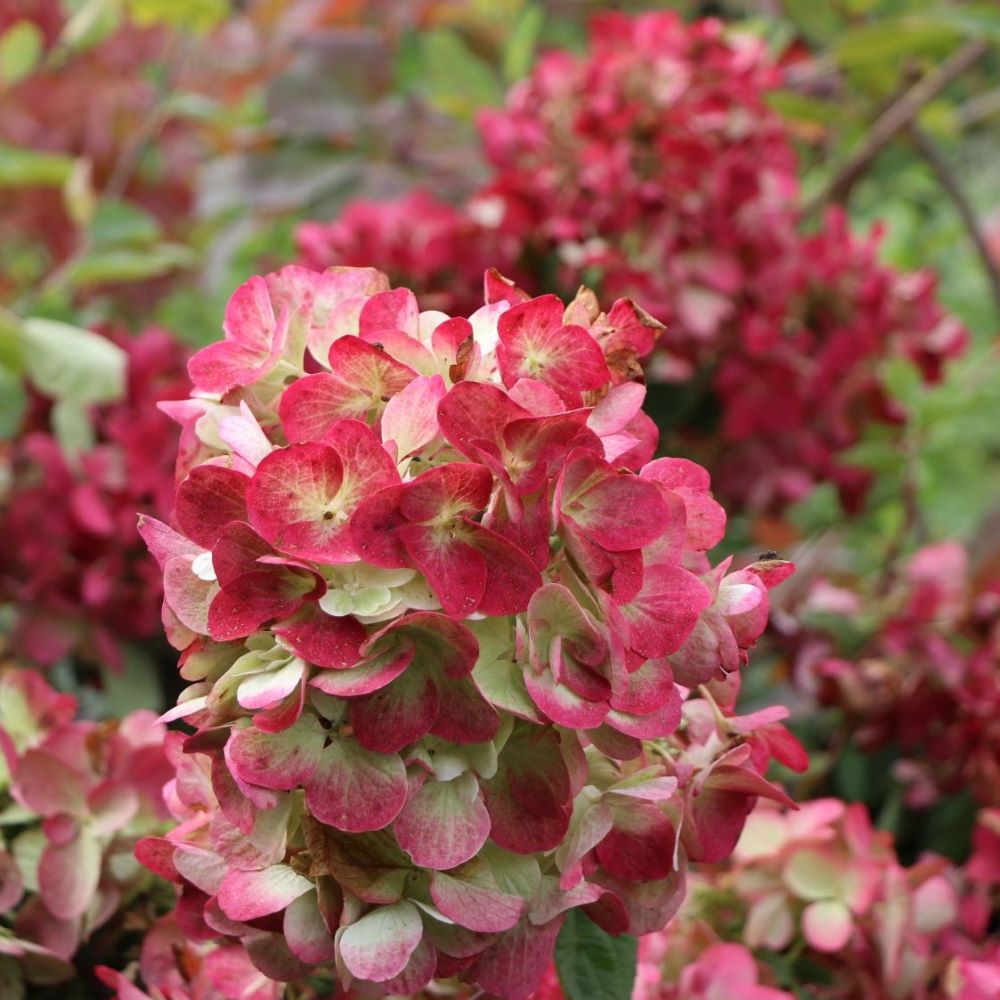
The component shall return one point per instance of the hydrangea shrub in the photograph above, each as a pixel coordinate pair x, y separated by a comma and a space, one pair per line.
458, 660
653, 166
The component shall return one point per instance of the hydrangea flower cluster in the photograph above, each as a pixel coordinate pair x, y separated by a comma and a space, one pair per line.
73, 566
174, 966
440, 611
925, 680
819, 898
76, 796
653, 167
432, 247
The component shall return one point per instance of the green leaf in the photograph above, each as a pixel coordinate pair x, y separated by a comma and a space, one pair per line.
798, 107
11, 981
28, 167
873, 46
11, 348
519, 50
119, 223
593, 965
13, 401
978, 20
90, 24
817, 21
189, 15
130, 264
20, 49
455, 79
67, 362
136, 685
71, 427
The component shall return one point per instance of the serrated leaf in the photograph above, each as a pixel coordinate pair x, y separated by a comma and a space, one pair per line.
20, 49
28, 167
67, 362
593, 965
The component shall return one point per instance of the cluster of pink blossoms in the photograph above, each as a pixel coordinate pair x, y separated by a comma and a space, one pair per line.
653, 167
73, 565
75, 796
817, 900
925, 680
440, 612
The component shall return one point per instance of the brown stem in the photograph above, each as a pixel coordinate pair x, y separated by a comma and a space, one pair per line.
896, 117
947, 179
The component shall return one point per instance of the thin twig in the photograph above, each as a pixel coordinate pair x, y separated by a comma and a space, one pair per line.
947, 179
896, 117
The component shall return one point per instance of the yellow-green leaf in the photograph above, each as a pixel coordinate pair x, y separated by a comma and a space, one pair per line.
20, 49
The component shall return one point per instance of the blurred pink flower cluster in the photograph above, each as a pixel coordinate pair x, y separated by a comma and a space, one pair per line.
440, 612
73, 566
76, 797
653, 167
817, 900
926, 678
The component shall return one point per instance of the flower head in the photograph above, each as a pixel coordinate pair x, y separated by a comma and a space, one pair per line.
431, 594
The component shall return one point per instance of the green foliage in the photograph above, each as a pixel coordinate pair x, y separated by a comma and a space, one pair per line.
28, 167
453, 77
20, 50
90, 22
519, 50
67, 362
191, 15
593, 965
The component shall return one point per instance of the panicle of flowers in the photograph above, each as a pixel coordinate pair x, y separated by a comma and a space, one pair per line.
435, 249
925, 680
174, 966
818, 898
439, 610
653, 167
73, 568
75, 796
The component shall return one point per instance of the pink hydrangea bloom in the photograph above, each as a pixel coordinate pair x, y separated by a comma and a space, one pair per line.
434, 599
78, 795
652, 166
432, 247
73, 566
924, 679
820, 898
